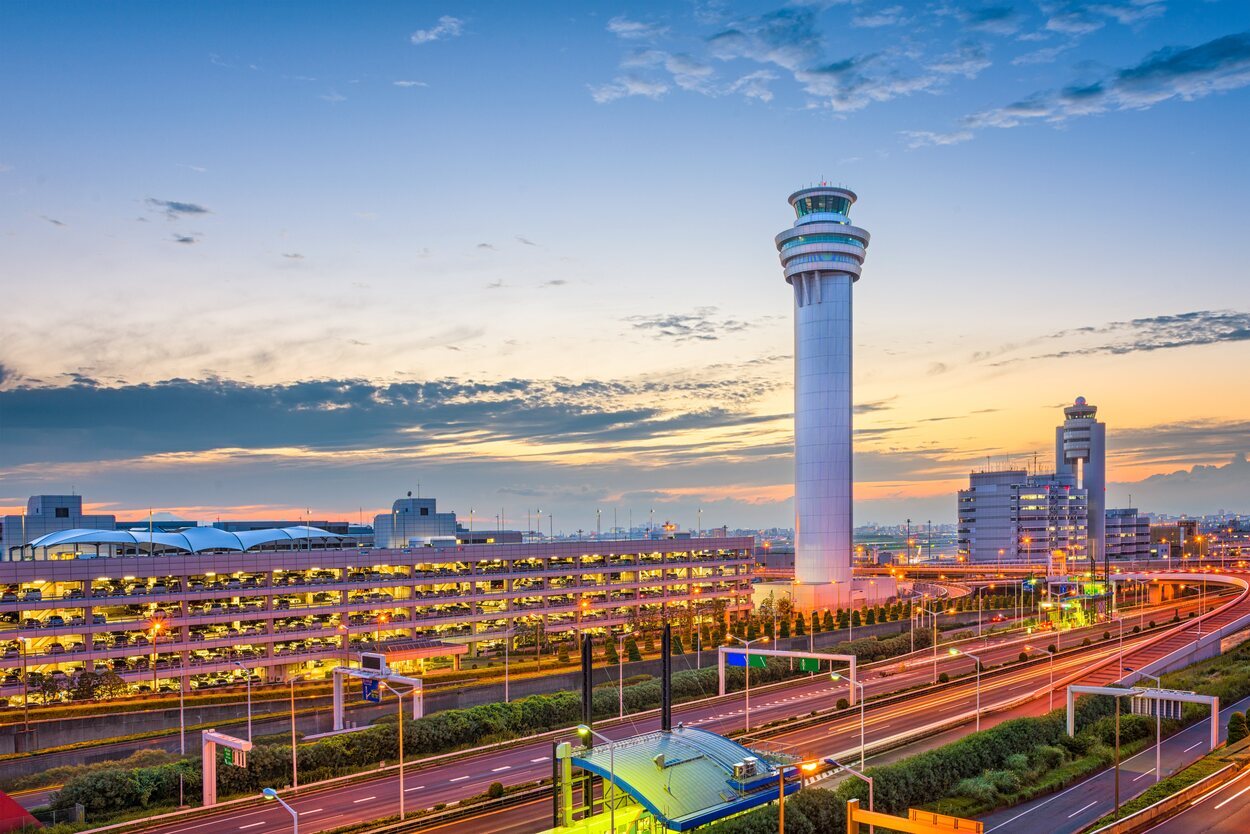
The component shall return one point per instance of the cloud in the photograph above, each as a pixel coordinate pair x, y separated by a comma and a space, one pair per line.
173, 209
755, 85
628, 29
1080, 17
333, 96
447, 27
624, 86
701, 325
924, 138
487, 246
295, 256
994, 20
1196, 490
938, 368
1144, 335
1184, 73
555, 282
410, 84
525, 241
185, 239
968, 60
1045, 55
496, 285
51, 220
891, 16
874, 406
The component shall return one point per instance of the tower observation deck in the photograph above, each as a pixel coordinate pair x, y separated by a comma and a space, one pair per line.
822, 256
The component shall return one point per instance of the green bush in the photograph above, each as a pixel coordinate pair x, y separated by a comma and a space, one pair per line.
1018, 763
495, 791
1237, 727
1048, 757
843, 703
979, 788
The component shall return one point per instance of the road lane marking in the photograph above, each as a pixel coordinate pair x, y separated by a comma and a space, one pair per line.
458, 779
1231, 798
539, 759
1191, 747
313, 811
1214, 791
1085, 808
1147, 773
410, 790
251, 825
500, 769
362, 799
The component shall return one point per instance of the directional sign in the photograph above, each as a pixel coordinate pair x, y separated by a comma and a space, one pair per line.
756, 661
369, 691
809, 664
235, 758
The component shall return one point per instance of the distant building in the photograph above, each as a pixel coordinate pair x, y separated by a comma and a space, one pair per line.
48, 514
1010, 515
412, 521
987, 518
1128, 534
1081, 452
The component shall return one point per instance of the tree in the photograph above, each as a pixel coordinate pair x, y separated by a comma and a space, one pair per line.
111, 685
631, 649
495, 791
1237, 727
800, 625
86, 686
872, 616
609, 650
826, 622
678, 648
855, 621
49, 688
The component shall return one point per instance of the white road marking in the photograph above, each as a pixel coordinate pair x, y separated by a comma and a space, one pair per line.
458, 779
313, 811
1086, 808
539, 759
251, 825
1231, 798
1147, 773
410, 790
500, 769
1192, 746
363, 799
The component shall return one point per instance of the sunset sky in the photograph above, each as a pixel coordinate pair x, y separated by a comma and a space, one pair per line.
263, 258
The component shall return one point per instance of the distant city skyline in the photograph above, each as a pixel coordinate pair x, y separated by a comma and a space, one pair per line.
271, 260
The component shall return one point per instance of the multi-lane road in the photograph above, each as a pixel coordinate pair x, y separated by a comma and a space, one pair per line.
1225, 810
469, 774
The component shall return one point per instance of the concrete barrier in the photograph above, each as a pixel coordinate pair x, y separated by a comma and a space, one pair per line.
1164, 807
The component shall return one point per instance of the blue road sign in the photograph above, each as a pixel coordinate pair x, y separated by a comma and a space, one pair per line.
369, 691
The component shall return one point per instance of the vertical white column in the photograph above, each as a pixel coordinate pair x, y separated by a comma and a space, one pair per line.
822, 427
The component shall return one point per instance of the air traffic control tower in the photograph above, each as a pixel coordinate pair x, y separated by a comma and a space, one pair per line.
822, 256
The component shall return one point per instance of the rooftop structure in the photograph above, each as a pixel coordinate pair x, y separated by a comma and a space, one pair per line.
1081, 452
686, 777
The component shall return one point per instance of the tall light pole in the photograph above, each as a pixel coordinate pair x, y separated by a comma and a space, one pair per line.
855, 772
294, 748
585, 733
977, 661
1158, 724
400, 715
747, 644
248, 678
270, 793
1051, 690
837, 676
933, 614
620, 674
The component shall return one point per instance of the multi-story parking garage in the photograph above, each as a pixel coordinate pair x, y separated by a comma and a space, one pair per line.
208, 611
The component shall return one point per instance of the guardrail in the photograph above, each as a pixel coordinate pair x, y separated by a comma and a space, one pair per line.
1164, 807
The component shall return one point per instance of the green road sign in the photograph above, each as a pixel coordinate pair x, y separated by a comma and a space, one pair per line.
809, 664
757, 661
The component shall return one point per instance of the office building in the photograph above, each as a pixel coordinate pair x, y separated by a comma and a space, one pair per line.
1081, 452
155, 607
821, 257
48, 514
1008, 515
1128, 535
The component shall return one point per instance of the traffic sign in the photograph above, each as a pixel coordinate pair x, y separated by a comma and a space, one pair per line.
755, 661
369, 691
809, 664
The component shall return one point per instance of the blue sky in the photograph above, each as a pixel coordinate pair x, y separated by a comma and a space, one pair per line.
271, 256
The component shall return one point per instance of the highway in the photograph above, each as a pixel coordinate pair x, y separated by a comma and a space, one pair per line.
1087, 801
1225, 810
471, 774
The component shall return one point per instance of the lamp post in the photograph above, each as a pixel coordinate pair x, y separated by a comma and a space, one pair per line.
620, 674
270, 793
855, 772
294, 748
1051, 690
182, 732
977, 661
746, 712
400, 715
934, 614
837, 676
25, 688
249, 698
1158, 724
507, 639
585, 733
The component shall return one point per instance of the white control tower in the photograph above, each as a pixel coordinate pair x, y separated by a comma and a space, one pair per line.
822, 255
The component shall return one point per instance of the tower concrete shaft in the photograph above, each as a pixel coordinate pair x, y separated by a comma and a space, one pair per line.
821, 256
1081, 451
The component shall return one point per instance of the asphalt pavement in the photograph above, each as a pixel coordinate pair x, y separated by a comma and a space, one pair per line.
1225, 810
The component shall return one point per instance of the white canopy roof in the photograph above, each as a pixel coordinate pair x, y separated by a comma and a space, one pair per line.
191, 539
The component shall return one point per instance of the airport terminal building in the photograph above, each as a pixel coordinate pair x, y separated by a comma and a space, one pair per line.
206, 605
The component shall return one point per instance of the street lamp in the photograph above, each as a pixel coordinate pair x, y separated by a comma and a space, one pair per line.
854, 772
585, 733
934, 614
294, 748
249, 698
1051, 690
837, 676
270, 793
746, 712
400, 715
977, 661
1158, 723
620, 674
